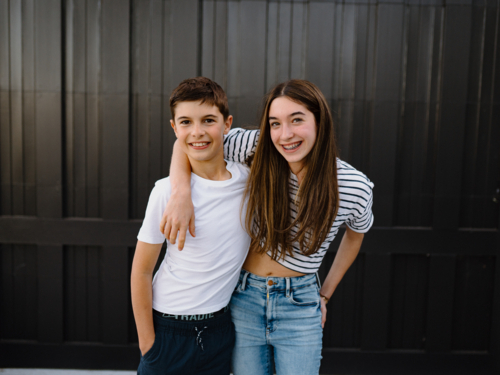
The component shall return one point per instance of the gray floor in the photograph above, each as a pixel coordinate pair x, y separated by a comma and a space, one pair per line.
17, 371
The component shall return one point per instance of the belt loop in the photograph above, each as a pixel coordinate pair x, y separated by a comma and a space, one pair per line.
317, 279
287, 279
244, 280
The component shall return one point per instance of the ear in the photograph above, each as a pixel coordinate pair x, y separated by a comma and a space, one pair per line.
227, 124
172, 124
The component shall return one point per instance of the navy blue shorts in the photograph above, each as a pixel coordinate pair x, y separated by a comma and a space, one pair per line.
190, 347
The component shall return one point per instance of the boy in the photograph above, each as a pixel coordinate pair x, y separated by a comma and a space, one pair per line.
183, 322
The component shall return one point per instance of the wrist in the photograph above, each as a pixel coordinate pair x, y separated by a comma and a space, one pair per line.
324, 298
184, 191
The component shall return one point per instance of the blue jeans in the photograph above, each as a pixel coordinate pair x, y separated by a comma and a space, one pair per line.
277, 321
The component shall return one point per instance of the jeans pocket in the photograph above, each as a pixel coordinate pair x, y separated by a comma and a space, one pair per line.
307, 296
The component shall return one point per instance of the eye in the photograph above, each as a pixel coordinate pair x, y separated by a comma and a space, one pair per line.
297, 120
209, 120
274, 124
185, 122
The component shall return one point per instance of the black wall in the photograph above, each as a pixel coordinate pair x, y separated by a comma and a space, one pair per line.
84, 134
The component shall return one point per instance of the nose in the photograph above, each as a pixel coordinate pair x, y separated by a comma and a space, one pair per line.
197, 130
287, 131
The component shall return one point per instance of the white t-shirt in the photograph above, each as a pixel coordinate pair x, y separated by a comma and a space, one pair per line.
201, 278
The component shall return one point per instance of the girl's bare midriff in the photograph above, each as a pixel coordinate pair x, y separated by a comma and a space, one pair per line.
261, 264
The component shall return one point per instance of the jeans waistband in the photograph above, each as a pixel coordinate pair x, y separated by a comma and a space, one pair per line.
278, 283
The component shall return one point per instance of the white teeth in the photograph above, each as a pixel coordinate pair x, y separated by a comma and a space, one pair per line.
199, 144
292, 146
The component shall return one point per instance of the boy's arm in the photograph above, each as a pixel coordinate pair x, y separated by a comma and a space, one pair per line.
178, 216
179, 212
145, 258
239, 144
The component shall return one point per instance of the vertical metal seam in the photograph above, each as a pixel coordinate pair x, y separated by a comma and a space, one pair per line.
495, 50
352, 97
305, 34
266, 46
99, 106
337, 58
64, 183
35, 101
10, 109
439, 93
290, 43
479, 94
374, 77
226, 46
86, 105
430, 68
200, 38
23, 165
130, 169
400, 127
162, 94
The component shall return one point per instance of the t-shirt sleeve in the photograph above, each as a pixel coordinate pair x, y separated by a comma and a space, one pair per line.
239, 144
362, 219
150, 229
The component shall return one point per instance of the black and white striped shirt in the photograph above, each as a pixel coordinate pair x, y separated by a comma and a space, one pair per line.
355, 199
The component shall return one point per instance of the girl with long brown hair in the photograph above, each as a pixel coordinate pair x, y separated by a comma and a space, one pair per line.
298, 195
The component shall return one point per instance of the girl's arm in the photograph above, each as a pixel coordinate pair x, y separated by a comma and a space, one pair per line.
346, 254
145, 258
178, 216
179, 212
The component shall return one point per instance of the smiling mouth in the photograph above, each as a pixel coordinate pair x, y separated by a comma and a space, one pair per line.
199, 145
291, 146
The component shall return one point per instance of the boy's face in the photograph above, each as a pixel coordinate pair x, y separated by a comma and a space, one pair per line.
200, 129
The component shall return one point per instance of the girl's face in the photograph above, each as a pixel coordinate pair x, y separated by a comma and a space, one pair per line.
293, 131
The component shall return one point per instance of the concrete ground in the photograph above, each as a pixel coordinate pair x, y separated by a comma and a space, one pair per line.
20, 371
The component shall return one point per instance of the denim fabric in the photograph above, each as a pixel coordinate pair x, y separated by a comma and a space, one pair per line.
278, 323
194, 347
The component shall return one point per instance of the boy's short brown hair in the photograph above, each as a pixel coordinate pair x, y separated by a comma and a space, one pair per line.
203, 89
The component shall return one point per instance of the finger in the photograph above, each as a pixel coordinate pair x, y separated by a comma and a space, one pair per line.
163, 224
192, 227
182, 238
173, 233
166, 230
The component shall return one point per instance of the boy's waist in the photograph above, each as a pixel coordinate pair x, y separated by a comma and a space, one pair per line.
192, 317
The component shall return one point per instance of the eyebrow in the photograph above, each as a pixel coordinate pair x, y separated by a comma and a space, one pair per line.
293, 114
189, 118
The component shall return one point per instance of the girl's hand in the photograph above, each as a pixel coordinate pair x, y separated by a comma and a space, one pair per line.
178, 217
323, 312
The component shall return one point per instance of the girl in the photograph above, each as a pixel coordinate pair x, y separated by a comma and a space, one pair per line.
299, 194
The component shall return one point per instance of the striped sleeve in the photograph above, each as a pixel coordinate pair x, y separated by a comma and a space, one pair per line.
356, 192
239, 144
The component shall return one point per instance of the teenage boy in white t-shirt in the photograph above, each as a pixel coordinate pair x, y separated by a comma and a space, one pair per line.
182, 316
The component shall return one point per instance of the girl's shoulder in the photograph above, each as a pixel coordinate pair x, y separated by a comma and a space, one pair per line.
350, 177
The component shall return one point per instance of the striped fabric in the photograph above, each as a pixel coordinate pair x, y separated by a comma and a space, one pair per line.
355, 193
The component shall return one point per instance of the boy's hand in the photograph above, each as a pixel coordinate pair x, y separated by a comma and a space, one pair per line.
144, 347
178, 217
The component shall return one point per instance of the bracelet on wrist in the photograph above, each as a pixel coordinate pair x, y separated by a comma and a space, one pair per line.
325, 298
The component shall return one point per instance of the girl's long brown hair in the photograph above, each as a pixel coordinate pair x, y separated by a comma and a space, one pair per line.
268, 184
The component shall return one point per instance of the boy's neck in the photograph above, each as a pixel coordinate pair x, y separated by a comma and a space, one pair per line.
213, 169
